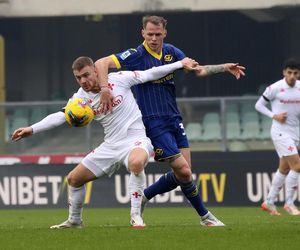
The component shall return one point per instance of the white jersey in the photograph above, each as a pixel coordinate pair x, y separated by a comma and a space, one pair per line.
284, 98
125, 114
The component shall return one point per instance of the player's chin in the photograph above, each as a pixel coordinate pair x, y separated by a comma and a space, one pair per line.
153, 46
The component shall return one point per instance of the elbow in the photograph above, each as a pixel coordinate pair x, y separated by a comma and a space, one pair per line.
100, 63
256, 106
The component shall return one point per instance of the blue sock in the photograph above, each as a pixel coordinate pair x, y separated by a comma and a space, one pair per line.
165, 183
191, 192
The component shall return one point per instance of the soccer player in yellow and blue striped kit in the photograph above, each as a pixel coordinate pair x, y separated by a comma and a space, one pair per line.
162, 119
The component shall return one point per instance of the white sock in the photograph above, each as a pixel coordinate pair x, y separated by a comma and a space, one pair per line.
137, 184
291, 185
76, 199
277, 183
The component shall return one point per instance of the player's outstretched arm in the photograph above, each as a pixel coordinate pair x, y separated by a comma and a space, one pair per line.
233, 68
20, 133
102, 65
161, 71
49, 122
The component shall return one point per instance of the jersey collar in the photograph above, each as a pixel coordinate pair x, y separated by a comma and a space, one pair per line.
151, 52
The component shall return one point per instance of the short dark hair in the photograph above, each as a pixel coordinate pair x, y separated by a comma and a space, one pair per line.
82, 61
291, 63
157, 20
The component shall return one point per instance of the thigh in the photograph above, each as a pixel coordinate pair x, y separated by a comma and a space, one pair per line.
167, 136
105, 159
138, 149
284, 145
165, 146
186, 153
293, 162
180, 135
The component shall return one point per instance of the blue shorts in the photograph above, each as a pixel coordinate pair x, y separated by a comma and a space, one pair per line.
167, 136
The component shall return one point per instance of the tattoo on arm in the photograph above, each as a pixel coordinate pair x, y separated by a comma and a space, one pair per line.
214, 69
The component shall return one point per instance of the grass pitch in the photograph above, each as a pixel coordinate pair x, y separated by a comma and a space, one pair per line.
168, 228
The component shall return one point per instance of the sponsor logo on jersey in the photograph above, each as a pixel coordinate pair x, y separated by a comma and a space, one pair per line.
125, 54
168, 58
290, 101
117, 100
168, 78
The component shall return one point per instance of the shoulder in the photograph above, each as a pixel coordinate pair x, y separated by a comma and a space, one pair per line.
83, 94
171, 49
275, 86
169, 46
132, 52
80, 93
279, 83
120, 75
121, 79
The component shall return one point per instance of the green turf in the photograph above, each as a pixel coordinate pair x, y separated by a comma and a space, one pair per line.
168, 228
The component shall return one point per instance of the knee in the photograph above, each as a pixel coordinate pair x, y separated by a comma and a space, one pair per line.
296, 168
72, 180
136, 165
184, 174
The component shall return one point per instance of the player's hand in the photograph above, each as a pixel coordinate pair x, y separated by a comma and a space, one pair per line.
235, 69
105, 101
189, 64
280, 117
21, 133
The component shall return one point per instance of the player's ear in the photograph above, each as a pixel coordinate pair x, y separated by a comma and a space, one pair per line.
95, 70
165, 33
143, 33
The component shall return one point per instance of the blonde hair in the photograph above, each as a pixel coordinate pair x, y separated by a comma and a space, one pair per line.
157, 20
82, 61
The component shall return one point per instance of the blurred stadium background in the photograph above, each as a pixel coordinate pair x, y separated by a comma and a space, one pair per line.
40, 39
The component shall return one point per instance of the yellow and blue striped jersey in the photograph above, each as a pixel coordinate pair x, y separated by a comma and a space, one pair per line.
156, 99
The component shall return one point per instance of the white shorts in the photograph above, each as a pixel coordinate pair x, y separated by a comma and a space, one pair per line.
284, 144
109, 157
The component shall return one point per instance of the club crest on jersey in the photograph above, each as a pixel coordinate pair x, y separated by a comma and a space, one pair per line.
159, 152
168, 58
125, 54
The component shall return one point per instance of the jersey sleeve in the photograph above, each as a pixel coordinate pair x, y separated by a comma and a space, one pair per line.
130, 78
128, 59
270, 92
178, 54
51, 121
261, 106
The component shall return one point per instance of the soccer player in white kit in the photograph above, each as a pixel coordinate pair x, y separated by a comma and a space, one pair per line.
125, 142
284, 96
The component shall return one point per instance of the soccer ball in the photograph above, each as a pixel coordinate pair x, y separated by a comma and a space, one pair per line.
79, 112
